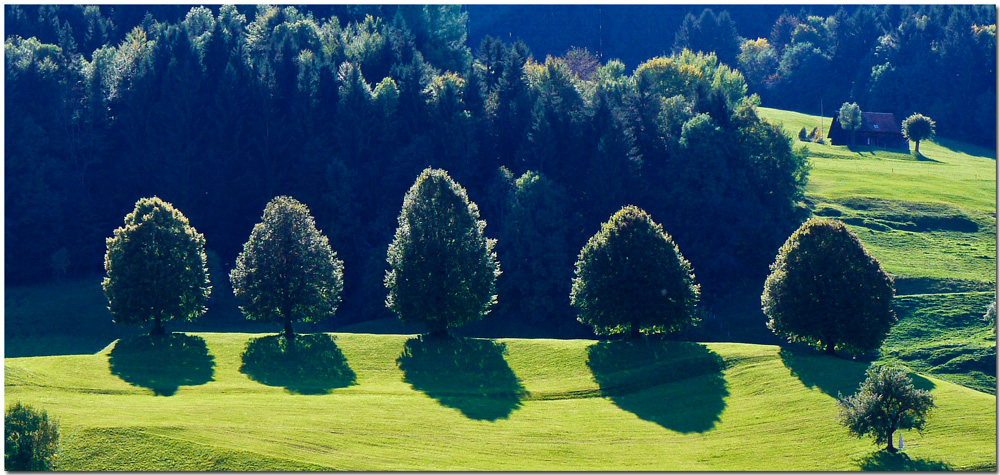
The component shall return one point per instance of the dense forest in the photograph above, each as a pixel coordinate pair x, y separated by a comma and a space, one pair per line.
218, 110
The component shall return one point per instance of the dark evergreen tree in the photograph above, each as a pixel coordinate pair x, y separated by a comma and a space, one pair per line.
287, 271
826, 289
156, 267
631, 278
443, 269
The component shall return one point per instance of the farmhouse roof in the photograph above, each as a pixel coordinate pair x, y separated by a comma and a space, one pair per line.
879, 122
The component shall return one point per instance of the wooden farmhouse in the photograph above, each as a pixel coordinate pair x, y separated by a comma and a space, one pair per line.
879, 129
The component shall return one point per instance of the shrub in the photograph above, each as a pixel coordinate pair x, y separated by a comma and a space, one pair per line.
31, 439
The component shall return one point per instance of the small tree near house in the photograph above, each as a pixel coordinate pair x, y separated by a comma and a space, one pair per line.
850, 118
918, 127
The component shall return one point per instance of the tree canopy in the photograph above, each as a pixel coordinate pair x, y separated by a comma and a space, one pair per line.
826, 289
156, 267
850, 118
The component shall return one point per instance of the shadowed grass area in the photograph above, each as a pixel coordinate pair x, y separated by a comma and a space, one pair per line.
641, 377
162, 363
308, 364
467, 374
815, 371
883, 461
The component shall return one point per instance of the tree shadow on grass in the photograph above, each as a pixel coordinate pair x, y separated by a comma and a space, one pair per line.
467, 374
832, 375
899, 462
678, 385
162, 363
308, 364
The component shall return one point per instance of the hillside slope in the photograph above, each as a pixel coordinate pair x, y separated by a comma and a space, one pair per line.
397, 402
931, 222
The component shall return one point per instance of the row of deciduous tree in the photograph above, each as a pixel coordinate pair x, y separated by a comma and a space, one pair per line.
226, 107
630, 277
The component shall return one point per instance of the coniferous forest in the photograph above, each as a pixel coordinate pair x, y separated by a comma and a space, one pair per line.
218, 110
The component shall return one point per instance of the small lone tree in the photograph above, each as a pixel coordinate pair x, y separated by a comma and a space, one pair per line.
825, 288
632, 278
918, 127
287, 271
885, 402
443, 270
30, 439
850, 118
156, 267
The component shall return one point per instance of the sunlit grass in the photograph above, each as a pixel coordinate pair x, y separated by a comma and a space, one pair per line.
577, 405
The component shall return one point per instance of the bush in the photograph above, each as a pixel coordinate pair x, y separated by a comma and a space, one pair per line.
632, 278
802, 135
31, 439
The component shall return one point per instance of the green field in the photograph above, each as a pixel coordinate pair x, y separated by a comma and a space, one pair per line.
931, 222
396, 402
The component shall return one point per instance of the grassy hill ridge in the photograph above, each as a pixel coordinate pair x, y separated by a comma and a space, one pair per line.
398, 402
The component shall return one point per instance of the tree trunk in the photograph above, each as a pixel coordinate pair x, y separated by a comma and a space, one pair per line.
157, 329
917, 146
289, 335
890, 448
829, 349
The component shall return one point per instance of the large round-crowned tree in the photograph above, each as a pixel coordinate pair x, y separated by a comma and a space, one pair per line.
826, 289
156, 267
443, 269
632, 278
287, 271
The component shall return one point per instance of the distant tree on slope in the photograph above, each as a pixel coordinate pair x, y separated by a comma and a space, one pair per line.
287, 271
156, 267
885, 402
825, 288
918, 127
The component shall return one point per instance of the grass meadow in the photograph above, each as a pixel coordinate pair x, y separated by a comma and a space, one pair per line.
228, 401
